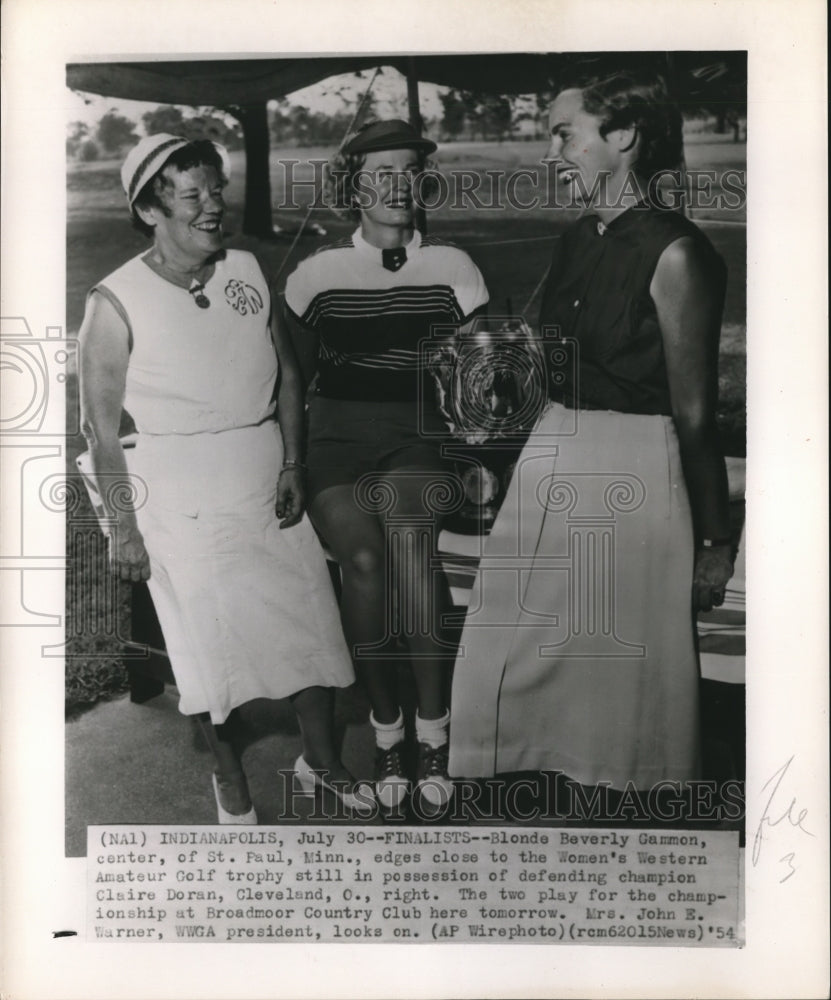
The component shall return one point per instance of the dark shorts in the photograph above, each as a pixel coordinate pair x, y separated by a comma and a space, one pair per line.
349, 438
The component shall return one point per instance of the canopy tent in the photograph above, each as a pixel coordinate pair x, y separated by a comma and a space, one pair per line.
699, 76
244, 86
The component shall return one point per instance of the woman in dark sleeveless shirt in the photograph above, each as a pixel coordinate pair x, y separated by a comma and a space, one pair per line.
578, 652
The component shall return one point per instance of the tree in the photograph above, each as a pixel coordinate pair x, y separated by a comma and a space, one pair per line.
114, 132
715, 87
164, 118
301, 121
75, 134
453, 114
212, 126
88, 151
472, 111
488, 115
495, 114
280, 122
205, 125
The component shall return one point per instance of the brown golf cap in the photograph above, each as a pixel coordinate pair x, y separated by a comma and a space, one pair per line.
391, 134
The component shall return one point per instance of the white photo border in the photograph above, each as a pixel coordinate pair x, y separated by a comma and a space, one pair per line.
786, 919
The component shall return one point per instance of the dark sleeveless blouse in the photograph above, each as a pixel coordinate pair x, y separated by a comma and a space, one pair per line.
597, 293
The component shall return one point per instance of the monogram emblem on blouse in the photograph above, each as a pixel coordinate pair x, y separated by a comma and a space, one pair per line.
244, 298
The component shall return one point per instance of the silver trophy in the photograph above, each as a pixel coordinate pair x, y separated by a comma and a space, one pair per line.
490, 384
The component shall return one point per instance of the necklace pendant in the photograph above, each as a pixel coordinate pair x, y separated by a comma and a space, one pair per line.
199, 296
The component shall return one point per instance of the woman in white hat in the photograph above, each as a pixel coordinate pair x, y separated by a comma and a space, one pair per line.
179, 336
366, 306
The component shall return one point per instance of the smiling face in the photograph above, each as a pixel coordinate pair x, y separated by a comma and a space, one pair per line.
385, 196
582, 156
187, 229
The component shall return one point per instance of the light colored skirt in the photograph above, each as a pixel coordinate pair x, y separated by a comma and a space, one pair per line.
247, 610
578, 648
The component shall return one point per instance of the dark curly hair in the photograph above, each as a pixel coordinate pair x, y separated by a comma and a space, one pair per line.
628, 99
340, 191
199, 153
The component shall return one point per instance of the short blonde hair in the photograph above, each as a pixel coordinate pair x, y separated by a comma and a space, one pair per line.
340, 193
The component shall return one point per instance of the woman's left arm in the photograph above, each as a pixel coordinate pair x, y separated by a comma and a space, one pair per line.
291, 489
688, 292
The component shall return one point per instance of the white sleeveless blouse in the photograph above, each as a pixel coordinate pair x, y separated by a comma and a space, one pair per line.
195, 370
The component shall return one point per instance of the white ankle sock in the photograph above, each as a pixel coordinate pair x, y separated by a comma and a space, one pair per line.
433, 732
387, 734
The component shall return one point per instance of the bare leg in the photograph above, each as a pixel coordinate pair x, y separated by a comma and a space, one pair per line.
315, 708
357, 542
427, 590
225, 744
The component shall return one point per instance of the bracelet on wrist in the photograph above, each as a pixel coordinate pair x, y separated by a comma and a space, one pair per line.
716, 543
293, 464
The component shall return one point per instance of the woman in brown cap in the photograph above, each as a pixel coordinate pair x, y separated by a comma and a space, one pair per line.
375, 471
179, 336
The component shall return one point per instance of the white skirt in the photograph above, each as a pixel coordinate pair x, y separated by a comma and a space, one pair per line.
247, 609
578, 649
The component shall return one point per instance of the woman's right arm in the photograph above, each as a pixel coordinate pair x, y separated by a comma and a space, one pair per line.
104, 355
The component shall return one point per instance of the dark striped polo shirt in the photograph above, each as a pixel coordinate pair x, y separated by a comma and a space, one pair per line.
371, 320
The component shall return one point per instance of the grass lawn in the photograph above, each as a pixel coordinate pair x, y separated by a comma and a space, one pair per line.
512, 247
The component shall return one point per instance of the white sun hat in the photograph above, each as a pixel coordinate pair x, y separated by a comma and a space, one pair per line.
148, 157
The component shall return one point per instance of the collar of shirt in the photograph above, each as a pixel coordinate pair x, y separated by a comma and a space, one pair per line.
376, 254
623, 225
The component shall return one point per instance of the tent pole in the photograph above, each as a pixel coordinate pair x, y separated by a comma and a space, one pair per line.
257, 219
414, 111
